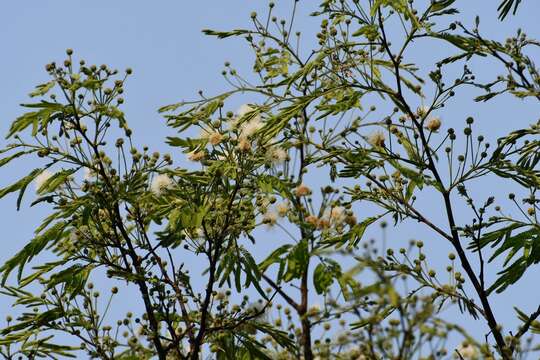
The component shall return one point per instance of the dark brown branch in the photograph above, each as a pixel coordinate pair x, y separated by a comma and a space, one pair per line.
483, 296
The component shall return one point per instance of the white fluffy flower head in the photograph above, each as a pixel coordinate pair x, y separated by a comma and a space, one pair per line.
214, 137
249, 128
89, 174
270, 218
467, 351
302, 190
243, 110
276, 154
244, 145
258, 308
282, 208
337, 214
42, 178
160, 183
376, 139
195, 155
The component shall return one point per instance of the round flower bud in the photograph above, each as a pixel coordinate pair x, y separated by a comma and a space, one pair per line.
433, 124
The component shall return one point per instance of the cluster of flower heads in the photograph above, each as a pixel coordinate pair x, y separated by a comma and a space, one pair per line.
333, 217
242, 130
377, 138
432, 123
159, 184
271, 216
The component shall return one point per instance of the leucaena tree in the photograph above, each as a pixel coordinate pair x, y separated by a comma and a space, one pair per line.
330, 141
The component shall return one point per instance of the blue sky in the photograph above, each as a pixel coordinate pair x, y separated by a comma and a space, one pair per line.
172, 59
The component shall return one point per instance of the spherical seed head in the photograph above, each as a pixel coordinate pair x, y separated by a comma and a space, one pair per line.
433, 124
302, 190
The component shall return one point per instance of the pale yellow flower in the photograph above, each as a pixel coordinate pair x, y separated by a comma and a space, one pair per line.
377, 139
337, 215
276, 154
89, 174
243, 110
213, 137
282, 208
312, 220
433, 124
249, 128
200, 233
270, 218
73, 236
323, 223
302, 190
244, 145
160, 183
42, 178
195, 155
467, 351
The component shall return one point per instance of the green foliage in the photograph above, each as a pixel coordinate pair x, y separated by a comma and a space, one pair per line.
506, 6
